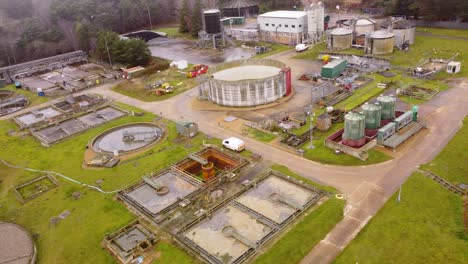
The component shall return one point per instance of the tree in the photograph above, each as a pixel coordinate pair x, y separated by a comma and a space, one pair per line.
196, 19
129, 52
183, 17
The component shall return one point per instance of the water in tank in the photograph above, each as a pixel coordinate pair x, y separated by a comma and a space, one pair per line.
373, 113
354, 126
387, 103
212, 21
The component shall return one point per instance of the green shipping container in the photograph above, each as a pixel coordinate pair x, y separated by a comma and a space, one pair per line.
334, 68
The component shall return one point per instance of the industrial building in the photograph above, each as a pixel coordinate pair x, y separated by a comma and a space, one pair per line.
404, 31
240, 8
333, 69
286, 27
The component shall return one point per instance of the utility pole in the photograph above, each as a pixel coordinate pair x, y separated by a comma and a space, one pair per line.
108, 53
149, 14
399, 195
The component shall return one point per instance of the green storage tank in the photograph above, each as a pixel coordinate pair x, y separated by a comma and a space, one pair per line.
387, 103
354, 126
372, 113
415, 113
333, 69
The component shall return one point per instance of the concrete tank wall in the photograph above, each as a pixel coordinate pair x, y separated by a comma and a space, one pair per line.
338, 42
402, 35
250, 92
382, 45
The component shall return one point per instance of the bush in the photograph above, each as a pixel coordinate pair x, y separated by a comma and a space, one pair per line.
155, 65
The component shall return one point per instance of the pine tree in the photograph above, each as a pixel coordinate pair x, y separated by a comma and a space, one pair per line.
183, 17
196, 18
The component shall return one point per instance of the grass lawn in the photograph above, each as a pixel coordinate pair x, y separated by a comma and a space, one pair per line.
260, 135
77, 238
425, 227
171, 254
303, 236
173, 32
32, 97
287, 171
136, 88
451, 162
273, 49
444, 31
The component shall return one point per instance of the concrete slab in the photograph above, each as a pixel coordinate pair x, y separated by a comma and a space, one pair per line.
146, 196
101, 116
38, 116
34, 83
55, 133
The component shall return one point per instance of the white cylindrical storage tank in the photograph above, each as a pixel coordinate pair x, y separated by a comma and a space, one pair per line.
340, 38
248, 82
361, 26
381, 42
404, 31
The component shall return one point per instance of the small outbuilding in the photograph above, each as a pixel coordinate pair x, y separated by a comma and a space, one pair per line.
133, 72
454, 67
187, 129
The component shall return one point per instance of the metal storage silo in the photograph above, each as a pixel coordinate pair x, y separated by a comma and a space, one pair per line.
354, 131
212, 21
404, 31
388, 106
372, 113
380, 42
340, 38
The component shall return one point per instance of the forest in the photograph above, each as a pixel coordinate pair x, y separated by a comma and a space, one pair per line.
33, 29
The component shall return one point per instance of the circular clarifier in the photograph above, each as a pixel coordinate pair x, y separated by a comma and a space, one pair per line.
127, 138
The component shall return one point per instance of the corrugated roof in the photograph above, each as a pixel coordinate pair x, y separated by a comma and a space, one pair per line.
239, 4
285, 14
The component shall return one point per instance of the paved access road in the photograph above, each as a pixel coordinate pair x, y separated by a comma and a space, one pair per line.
366, 188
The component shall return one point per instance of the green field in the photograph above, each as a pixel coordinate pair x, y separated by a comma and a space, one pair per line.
136, 88
302, 237
425, 227
260, 135
32, 97
173, 32
273, 49
451, 162
77, 238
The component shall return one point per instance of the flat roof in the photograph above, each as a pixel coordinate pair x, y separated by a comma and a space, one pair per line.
284, 14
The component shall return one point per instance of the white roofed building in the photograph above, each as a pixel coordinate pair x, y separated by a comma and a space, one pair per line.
286, 27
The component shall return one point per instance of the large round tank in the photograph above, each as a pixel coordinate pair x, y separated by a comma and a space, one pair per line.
212, 20
361, 26
340, 38
372, 113
388, 106
17, 246
354, 126
404, 31
381, 42
248, 82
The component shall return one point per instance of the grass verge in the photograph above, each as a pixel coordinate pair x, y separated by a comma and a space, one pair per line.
425, 227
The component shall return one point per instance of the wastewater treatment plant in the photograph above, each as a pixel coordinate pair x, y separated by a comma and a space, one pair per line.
248, 134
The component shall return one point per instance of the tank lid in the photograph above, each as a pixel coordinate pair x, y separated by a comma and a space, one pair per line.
371, 107
399, 24
211, 11
386, 98
341, 31
382, 34
354, 116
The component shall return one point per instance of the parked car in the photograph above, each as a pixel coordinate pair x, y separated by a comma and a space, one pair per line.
302, 47
235, 144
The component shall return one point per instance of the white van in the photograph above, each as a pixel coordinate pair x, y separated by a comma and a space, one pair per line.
234, 144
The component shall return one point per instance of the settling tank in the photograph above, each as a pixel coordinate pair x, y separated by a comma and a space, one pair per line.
354, 126
380, 42
372, 113
212, 21
404, 31
388, 106
248, 82
340, 38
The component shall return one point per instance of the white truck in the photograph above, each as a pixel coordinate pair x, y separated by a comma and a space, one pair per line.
235, 144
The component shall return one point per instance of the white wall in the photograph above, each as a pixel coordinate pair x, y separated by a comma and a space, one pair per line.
288, 25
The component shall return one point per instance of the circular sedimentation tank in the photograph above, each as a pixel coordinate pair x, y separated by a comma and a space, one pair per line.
372, 114
340, 38
248, 82
381, 42
354, 131
388, 106
4, 94
127, 138
17, 245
